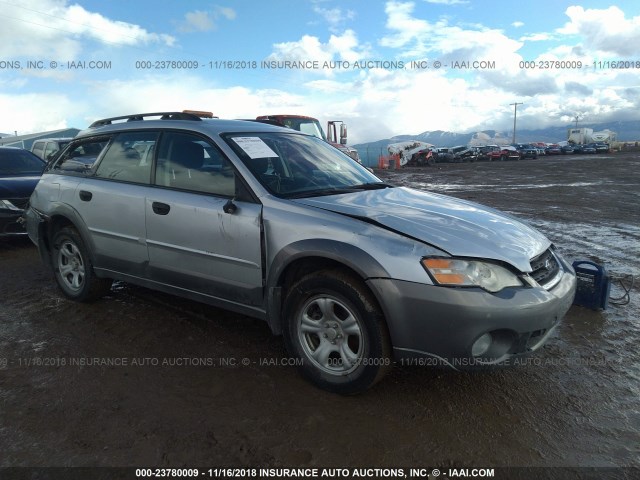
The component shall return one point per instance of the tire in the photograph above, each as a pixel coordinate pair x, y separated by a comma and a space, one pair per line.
73, 269
336, 330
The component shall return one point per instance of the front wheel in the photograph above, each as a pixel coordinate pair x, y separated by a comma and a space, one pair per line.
73, 269
336, 329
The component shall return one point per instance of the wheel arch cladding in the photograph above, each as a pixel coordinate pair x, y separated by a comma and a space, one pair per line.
312, 255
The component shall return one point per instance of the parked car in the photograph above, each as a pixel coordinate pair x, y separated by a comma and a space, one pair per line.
600, 147
502, 153
540, 147
481, 153
584, 149
526, 151
20, 171
553, 149
461, 153
443, 154
353, 272
567, 149
47, 148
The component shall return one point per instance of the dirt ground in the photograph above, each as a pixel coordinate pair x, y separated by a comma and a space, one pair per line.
191, 385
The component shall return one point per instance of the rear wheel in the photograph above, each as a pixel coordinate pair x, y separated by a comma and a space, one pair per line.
336, 329
73, 269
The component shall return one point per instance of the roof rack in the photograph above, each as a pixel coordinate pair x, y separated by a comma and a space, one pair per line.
140, 116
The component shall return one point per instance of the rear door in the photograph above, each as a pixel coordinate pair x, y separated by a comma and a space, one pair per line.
111, 201
203, 228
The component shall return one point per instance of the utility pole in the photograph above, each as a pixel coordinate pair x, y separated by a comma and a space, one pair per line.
515, 110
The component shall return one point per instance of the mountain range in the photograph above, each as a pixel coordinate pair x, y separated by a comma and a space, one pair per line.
370, 151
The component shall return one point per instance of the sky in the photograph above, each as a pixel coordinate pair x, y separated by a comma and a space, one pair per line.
384, 67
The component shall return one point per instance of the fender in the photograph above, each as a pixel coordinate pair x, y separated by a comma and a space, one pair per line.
347, 254
59, 209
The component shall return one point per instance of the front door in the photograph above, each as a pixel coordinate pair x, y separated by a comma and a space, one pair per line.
195, 243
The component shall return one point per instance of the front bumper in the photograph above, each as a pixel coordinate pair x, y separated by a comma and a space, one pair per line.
10, 224
443, 324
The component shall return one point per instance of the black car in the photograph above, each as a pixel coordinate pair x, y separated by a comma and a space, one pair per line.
526, 151
20, 171
567, 149
584, 149
600, 147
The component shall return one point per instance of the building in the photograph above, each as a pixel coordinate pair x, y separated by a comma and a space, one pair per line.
25, 141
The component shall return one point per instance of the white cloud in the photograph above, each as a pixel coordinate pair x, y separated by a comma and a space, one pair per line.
536, 37
55, 29
604, 30
376, 103
448, 2
309, 48
418, 37
179, 91
226, 12
204, 21
196, 21
517, 24
35, 112
334, 16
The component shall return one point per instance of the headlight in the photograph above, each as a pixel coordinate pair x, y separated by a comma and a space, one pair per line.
7, 205
470, 273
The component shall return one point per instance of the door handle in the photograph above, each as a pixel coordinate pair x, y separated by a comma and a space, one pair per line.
85, 196
160, 208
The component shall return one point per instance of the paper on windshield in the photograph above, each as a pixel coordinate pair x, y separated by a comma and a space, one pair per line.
254, 147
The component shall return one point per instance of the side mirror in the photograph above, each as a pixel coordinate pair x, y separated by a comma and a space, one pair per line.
230, 207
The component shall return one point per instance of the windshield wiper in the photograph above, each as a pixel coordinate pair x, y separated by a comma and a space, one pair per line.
339, 190
371, 186
322, 192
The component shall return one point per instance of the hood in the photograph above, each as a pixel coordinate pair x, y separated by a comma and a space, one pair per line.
458, 227
17, 187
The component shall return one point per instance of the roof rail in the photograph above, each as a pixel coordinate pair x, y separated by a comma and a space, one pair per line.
140, 116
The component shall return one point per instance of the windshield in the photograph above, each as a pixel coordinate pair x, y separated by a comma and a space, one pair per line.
291, 165
19, 162
310, 126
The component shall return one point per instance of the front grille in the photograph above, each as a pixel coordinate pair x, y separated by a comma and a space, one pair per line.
544, 268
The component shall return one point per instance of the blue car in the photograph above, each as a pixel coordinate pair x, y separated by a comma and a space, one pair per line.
20, 171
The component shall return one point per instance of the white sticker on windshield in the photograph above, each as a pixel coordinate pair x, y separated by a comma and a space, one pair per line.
254, 147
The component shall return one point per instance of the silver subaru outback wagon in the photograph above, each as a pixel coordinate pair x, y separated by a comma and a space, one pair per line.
356, 274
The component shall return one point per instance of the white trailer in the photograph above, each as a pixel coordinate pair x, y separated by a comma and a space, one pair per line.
581, 136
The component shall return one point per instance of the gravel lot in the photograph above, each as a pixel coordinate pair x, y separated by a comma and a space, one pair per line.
198, 386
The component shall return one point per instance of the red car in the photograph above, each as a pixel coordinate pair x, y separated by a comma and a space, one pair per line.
502, 153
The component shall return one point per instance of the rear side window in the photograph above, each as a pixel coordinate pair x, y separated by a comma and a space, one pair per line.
128, 158
80, 156
38, 149
50, 149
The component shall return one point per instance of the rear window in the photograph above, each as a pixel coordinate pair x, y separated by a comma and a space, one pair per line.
19, 162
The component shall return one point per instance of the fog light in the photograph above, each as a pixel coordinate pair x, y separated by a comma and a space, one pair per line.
481, 345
